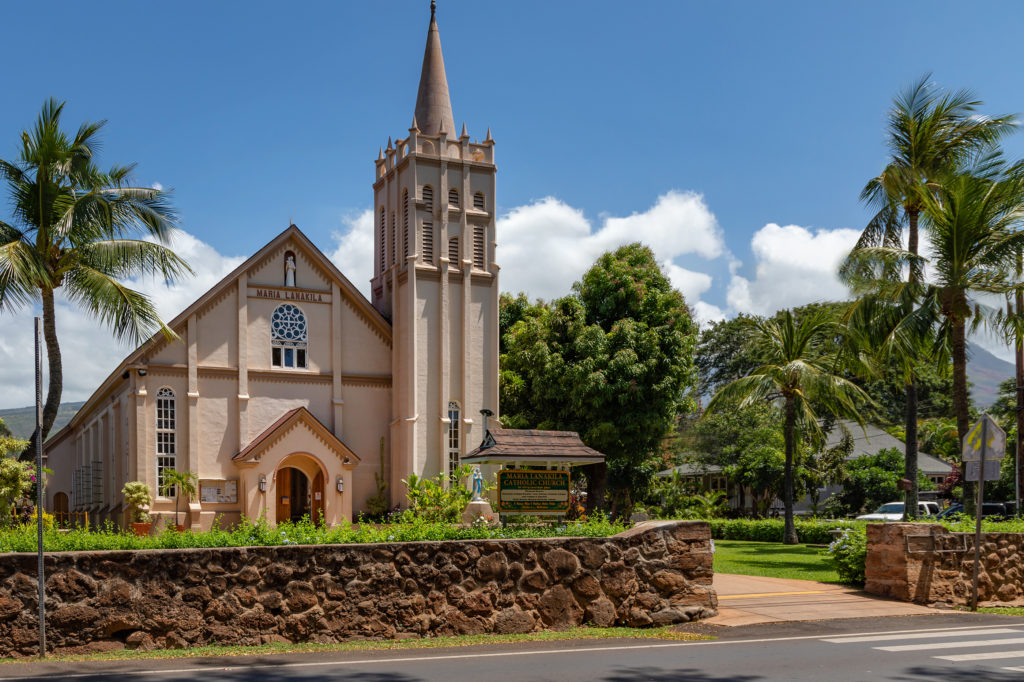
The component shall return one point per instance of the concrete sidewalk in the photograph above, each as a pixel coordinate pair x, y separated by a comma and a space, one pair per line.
748, 600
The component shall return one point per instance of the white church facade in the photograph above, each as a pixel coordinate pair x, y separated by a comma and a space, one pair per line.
289, 393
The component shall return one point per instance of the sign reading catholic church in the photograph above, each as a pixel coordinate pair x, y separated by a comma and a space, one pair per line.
289, 295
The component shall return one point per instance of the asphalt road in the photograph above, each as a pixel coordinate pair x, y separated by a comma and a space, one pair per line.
946, 648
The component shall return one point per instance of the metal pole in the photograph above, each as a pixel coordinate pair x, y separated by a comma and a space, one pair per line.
41, 569
977, 514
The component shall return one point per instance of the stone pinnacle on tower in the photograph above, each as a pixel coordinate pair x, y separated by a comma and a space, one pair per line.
433, 104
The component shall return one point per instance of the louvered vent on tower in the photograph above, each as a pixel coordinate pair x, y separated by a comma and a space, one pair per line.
478, 248
453, 251
428, 242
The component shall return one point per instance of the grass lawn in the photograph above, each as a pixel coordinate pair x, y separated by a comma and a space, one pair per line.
774, 560
1002, 610
667, 632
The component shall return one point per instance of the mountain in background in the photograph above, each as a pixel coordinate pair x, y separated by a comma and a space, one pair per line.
985, 372
22, 420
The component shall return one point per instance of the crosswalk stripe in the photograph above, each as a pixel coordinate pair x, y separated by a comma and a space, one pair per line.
921, 635
952, 645
989, 655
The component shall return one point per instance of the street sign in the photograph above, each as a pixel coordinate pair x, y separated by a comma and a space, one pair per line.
972, 469
533, 491
994, 445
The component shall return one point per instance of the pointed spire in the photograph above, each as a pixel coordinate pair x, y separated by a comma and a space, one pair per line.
380, 153
389, 143
488, 138
433, 104
415, 125
464, 133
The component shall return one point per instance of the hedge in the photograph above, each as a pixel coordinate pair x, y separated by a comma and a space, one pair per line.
809, 531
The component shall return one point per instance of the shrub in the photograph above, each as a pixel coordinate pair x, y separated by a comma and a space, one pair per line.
138, 497
849, 552
809, 531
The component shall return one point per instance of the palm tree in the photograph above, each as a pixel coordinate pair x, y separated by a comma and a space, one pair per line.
800, 374
930, 133
81, 231
180, 484
974, 219
974, 222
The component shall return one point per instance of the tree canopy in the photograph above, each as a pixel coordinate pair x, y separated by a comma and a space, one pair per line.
613, 361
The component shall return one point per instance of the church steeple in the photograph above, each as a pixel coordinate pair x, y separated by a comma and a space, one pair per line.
433, 104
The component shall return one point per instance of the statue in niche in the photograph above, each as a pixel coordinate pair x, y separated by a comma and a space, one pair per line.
289, 269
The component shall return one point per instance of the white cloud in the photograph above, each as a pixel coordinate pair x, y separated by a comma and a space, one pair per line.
795, 266
157, 186
88, 351
354, 252
545, 246
705, 313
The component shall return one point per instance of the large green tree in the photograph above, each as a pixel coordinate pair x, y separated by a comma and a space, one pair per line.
81, 231
800, 376
613, 361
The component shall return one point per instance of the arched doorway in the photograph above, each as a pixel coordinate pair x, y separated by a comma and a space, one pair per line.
300, 490
60, 510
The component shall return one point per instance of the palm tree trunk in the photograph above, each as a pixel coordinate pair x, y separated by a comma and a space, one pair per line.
790, 537
56, 386
910, 454
1019, 361
961, 406
910, 446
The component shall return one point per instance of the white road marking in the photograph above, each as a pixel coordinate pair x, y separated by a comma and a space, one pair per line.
988, 655
952, 645
920, 635
1019, 669
203, 670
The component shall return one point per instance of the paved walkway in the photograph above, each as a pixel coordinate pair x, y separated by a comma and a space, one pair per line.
748, 600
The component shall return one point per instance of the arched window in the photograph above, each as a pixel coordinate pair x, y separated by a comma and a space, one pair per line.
166, 438
288, 337
453, 197
454, 439
478, 201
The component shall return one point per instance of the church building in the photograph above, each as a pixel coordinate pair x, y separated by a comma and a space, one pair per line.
291, 394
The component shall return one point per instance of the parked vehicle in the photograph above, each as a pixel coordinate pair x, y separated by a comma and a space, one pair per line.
893, 511
988, 509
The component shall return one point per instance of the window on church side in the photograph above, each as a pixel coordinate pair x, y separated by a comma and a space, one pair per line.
166, 440
288, 337
453, 197
478, 248
478, 201
454, 440
453, 251
428, 199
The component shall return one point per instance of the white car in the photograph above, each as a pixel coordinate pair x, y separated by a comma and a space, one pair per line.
893, 511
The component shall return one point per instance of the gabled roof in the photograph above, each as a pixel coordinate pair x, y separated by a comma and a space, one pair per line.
348, 290
284, 424
526, 445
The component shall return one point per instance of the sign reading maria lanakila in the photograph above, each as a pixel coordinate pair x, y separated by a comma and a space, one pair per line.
523, 491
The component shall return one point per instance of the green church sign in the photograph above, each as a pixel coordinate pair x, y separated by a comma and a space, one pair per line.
533, 492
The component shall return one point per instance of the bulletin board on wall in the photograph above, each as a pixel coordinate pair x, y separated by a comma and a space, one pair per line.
213, 491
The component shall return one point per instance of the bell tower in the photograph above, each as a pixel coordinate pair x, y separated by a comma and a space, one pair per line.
436, 279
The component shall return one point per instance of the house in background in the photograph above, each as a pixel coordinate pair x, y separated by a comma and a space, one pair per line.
866, 441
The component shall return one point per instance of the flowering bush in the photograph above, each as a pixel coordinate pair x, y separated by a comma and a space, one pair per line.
15, 480
849, 552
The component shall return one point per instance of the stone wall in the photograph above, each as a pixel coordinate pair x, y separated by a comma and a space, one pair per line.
925, 563
655, 574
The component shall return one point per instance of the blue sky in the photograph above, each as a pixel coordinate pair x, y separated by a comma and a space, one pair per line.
739, 133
